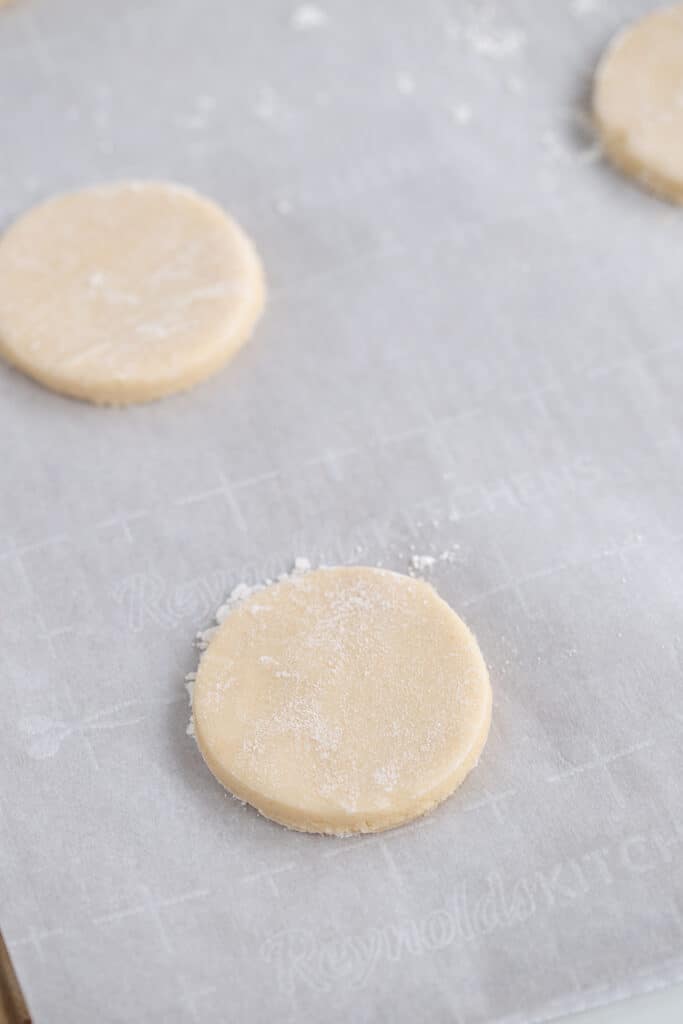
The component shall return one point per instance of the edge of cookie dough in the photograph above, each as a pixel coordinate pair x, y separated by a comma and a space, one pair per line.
358, 822
615, 145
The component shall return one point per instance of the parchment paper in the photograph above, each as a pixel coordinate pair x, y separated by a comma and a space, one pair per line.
472, 345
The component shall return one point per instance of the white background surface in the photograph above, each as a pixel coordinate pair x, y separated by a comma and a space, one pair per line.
472, 346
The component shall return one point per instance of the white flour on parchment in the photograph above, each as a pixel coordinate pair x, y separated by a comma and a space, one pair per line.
421, 564
307, 17
484, 36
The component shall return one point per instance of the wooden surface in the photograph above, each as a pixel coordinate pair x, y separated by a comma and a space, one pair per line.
13, 1009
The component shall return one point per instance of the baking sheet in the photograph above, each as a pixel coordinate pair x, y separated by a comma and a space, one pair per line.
472, 348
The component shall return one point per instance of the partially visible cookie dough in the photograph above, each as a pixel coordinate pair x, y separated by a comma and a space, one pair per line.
343, 700
126, 292
638, 101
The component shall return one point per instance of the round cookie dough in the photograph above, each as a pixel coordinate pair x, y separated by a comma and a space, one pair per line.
638, 101
343, 700
126, 292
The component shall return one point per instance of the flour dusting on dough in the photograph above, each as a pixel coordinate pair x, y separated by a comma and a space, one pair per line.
354, 693
236, 597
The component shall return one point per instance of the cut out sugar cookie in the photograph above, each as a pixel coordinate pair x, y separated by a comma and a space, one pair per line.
343, 700
638, 102
126, 292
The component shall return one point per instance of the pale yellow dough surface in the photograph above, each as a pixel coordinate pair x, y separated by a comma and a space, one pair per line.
638, 101
126, 292
345, 700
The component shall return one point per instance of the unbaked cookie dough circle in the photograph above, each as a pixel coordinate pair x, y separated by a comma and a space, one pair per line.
638, 101
344, 700
126, 292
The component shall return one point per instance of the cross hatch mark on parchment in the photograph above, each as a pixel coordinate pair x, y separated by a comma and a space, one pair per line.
332, 461
396, 437
226, 490
13, 553
514, 584
190, 996
392, 867
50, 635
36, 938
633, 360
80, 730
44, 735
16, 552
494, 801
567, 968
258, 478
535, 396
122, 520
60, 730
618, 552
511, 584
601, 762
434, 432
154, 910
269, 874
